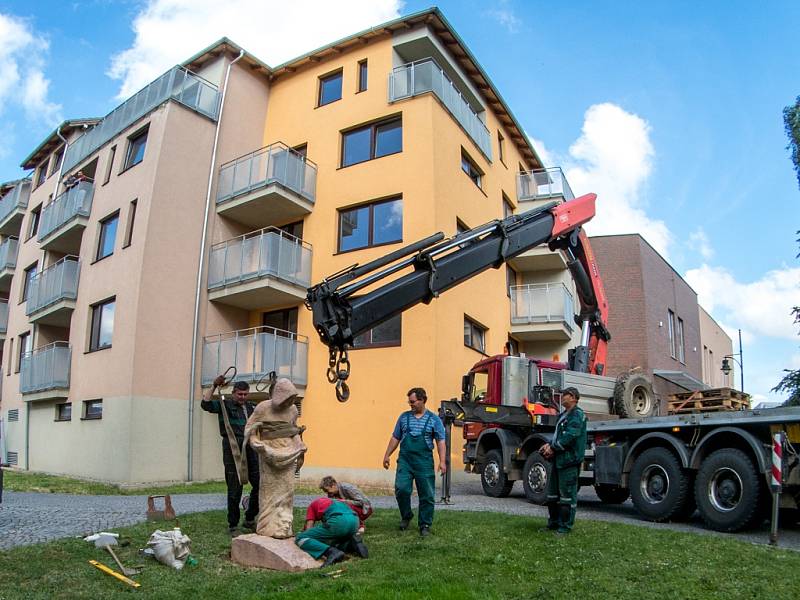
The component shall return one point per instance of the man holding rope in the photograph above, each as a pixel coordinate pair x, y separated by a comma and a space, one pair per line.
232, 414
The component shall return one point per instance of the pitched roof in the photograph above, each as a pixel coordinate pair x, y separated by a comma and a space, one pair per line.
52, 141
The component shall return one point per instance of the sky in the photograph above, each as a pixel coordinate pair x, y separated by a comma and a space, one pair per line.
670, 111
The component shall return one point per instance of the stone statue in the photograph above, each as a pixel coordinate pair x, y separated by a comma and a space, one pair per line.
274, 435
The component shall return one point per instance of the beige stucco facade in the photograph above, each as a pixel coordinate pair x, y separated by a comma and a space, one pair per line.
716, 345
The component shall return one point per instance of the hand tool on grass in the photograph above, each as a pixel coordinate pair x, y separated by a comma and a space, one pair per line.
114, 574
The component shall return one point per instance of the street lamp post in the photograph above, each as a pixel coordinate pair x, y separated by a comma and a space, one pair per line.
726, 366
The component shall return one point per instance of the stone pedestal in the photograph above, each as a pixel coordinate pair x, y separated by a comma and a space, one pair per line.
253, 550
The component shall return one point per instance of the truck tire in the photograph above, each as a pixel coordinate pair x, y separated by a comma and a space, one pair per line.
659, 486
634, 396
494, 480
535, 476
611, 494
728, 490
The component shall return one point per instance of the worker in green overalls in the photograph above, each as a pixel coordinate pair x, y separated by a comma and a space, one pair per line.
415, 432
335, 533
566, 450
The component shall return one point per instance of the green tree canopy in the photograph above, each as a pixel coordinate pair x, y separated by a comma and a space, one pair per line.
791, 121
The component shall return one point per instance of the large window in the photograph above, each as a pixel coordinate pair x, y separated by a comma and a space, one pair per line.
372, 141
285, 319
136, 145
108, 235
470, 168
371, 225
102, 324
330, 88
30, 273
387, 333
474, 335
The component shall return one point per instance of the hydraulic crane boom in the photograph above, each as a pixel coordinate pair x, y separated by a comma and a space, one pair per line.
438, 264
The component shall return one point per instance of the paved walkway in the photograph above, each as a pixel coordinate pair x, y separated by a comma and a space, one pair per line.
30, 518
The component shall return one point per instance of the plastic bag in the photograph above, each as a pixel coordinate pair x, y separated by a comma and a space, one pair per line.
170, 547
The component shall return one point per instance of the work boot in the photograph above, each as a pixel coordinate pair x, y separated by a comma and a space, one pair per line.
425, 531
332, 556
405, 522
553, 518
358, 545
564, 514
249, 525
233, 530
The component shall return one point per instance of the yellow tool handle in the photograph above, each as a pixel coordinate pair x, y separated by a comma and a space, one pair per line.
113, 573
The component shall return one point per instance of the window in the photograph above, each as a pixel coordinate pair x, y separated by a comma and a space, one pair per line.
474, 335
30, 273
372, 141
508, 208
64, 412
330, 88
24, 348
33, 224
386, 334
671, 331
371, 225
41, 174
56, 162
679, 340
92, 409
102, 325
461, 227
108, 235
362, 75
285, 320
129, 229
470, 168
136, 145
501, 147
10, 354
110, 165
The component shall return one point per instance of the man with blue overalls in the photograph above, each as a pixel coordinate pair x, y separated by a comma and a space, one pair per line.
415, 432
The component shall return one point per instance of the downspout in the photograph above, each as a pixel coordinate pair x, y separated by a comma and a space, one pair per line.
196, 325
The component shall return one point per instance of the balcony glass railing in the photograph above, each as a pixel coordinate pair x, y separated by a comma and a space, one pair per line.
75, 202
57, 282
3, 316
542, 303
256, 352
426, 75
8, 253
16, 198
176, 84
276, 163
268, 252
45, 368
543, 183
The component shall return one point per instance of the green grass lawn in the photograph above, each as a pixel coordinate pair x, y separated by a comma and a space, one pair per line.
470, 555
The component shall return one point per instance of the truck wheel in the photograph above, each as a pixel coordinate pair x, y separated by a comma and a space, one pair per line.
634, 396
494, 481
611, 494
728, 490
535, 476
659, 486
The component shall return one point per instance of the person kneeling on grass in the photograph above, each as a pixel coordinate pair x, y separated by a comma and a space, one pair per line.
354, 497
334, 535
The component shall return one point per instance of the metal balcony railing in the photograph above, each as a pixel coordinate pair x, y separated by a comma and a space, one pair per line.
542, 303
45, 368
3, 316
57, 282
8, 253
177, 84
276, 163
74, 202
543, 183
422, 76
256, 352
267, 252
16, 198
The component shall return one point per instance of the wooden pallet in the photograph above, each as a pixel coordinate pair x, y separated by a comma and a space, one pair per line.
717, 399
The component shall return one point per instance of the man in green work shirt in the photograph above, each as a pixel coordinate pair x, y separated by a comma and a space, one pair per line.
415, 432
566, 451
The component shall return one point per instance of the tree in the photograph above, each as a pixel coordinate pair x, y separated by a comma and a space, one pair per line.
791, 381
791, 121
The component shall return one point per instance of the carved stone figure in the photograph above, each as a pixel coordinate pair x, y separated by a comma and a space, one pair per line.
273, 433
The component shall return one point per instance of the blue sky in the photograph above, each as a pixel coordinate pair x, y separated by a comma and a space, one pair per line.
670, 111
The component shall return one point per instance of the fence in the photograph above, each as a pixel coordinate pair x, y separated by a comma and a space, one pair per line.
75, 202
45, 368
57, 282
543, 183
541, 303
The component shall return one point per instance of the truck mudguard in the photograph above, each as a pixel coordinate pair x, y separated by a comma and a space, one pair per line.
507, 440
680, 448
758, 447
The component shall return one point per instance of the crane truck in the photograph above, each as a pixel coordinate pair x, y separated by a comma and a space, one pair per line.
718, 463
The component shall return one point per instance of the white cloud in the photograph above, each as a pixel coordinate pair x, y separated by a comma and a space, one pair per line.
22, 80
504, 14
760, 308
613, 158
168, 32
698, 240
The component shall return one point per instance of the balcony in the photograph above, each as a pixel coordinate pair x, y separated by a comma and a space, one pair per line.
44, 373
543, 184
176, 84
3, 319
12, 208
262, 269
423, 76
540, 258
271, 186
255, 353
8, 262
52, 293
65, 218
541, 311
